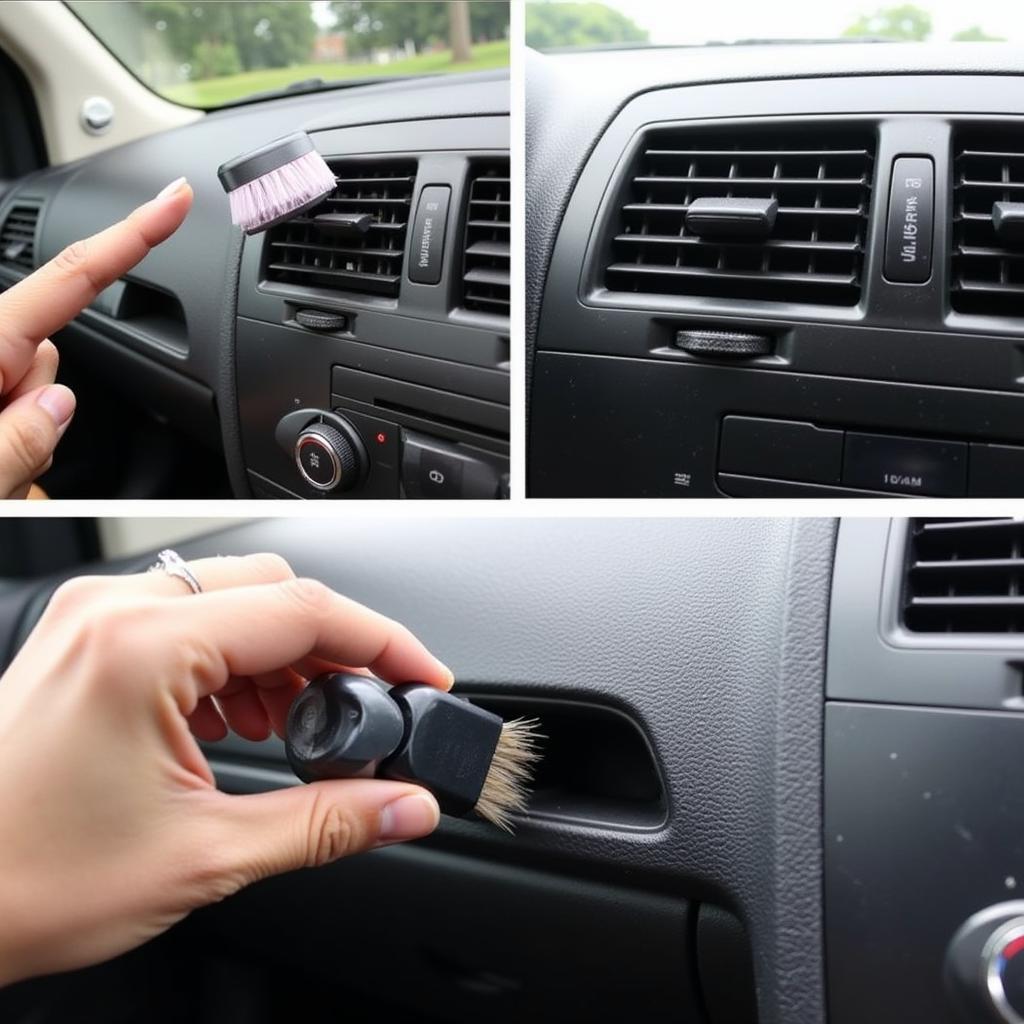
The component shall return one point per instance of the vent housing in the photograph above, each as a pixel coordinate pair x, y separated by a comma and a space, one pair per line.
18, 236
821, 178
964, 576
300, 253
487, 250
988, 273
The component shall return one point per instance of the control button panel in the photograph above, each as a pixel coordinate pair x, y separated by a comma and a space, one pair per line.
781, 449
438, 469
996, 471
905, 465
757, 450
908, 236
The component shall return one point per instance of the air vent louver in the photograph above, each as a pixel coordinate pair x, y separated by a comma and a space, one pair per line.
988, 273
965, 576
18, 236
486, 261
821, 180
303, 254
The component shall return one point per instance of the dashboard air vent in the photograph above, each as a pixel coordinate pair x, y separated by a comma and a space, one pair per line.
486, 260
302, 253
988, 270
965, 576
18, 236
820, 178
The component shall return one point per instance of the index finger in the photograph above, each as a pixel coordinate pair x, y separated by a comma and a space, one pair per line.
42, 303
259, 629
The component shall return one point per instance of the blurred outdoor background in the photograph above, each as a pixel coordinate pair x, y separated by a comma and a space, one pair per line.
637, 23
206, 54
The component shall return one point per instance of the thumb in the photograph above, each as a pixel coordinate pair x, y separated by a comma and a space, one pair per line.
308, 826
30, 428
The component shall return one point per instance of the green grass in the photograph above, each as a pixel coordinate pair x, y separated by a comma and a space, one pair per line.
213, 92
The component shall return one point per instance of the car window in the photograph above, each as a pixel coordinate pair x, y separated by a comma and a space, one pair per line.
211, 54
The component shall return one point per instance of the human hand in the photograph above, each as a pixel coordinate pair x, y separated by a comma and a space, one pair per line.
35, 411
113, 828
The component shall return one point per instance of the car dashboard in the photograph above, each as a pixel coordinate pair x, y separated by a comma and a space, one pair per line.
245, 342
866, 344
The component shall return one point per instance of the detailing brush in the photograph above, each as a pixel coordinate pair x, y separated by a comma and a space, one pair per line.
342, 726
275, 182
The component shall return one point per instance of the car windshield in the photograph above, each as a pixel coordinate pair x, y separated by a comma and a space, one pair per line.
639, 23
211, 54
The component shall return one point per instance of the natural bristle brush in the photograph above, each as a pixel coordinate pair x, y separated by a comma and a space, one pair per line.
275, 182
345, 726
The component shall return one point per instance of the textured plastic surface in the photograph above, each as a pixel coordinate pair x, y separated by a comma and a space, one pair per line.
709, 633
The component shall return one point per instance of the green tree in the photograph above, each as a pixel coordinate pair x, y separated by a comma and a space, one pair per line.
550, 25
262, 34
906, 23
976, 34
369, 24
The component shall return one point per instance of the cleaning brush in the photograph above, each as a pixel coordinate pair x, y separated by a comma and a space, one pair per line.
343, 726
275, 182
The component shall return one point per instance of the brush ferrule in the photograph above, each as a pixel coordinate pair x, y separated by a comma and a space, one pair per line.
250, 166
447, 746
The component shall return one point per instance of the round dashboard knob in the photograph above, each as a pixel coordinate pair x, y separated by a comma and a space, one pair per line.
328, 459
985, 965
1004, 970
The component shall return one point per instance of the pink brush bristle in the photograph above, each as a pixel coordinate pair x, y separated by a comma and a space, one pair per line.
280, 192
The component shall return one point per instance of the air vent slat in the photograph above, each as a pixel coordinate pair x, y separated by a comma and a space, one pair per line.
299, 252
784, 211
821, 178
964, 576
18, 236
486, 261
772, 243
732, 275
987, 270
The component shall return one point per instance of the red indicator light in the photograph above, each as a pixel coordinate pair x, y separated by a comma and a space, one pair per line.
381, 437
1011, 949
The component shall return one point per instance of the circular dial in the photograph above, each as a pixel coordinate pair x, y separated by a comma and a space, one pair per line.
1004, 970
328, 459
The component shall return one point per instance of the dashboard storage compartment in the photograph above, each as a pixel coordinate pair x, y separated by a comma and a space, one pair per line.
598, 766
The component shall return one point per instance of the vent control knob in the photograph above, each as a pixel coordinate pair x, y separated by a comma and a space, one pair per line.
329, 458
985, 965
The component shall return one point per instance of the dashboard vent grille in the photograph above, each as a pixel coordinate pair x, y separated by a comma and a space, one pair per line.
301, 253
821, 179
18, 236
487, 260
988, 273
965, 576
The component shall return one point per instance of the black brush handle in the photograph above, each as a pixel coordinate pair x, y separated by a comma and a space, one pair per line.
343, 726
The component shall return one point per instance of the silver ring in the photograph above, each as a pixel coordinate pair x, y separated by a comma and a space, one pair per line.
173, 564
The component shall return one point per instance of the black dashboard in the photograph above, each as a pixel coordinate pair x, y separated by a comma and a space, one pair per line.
781, 774
867, 344
246, 344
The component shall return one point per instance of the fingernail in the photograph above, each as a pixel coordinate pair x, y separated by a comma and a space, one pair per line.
409, 817
59, 402
169, 190
451, 677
